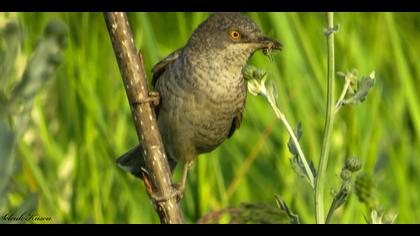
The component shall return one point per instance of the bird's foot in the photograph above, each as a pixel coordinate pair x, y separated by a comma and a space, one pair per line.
177, 193
178, 190
153, 99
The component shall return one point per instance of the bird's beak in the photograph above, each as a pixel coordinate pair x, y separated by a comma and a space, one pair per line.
269, 43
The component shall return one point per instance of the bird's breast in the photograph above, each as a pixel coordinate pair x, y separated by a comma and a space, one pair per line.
198, 107
218, 103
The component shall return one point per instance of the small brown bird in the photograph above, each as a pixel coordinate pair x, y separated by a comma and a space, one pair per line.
202, 90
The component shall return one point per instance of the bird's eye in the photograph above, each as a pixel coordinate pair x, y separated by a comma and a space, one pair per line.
234, 34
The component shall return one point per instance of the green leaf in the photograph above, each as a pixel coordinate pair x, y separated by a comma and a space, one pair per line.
3, 101
294, 218
42, 65
295, 161
290, 144
364, 85
7, 157
10, 38
40, 68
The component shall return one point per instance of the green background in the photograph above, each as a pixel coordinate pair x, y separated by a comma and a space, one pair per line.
81, 122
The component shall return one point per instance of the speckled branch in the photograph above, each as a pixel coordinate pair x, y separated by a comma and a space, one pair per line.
158, 179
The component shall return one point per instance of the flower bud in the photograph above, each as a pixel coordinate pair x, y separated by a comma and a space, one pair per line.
364, 187
345, 175
353, 164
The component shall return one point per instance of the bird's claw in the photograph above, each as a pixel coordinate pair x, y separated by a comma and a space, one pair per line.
177, 193
153, 99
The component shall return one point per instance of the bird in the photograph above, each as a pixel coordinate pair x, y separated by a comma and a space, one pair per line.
202, 90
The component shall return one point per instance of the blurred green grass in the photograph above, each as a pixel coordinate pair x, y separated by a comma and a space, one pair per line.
82, 122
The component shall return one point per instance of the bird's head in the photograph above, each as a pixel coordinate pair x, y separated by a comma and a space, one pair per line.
232, 33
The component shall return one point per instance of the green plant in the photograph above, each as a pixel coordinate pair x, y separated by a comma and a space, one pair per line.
17, 96
80, 123
354, 91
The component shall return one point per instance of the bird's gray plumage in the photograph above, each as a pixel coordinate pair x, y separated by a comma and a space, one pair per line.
201, 87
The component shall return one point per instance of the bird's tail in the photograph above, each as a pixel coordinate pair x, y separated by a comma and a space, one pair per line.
133, 161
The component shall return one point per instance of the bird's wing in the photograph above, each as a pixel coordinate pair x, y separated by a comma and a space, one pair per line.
161, 66
236, 123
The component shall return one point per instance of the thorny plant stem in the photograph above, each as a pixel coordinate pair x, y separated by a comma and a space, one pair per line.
329, 119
